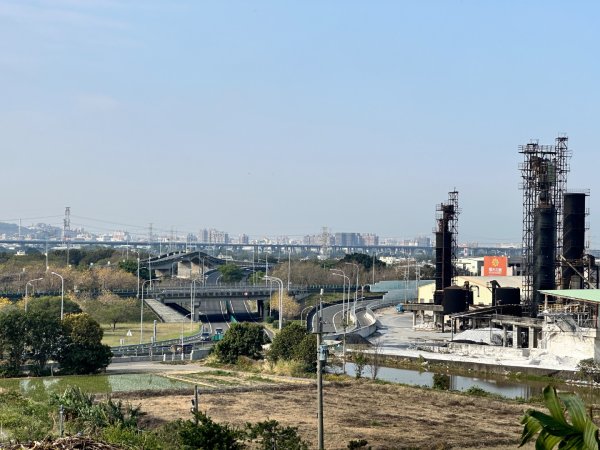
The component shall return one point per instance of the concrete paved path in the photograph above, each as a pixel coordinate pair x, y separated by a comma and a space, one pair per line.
166, 314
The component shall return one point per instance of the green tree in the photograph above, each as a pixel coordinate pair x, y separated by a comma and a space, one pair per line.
427, 272
51, 306
554, 430
13, 327
360, 361
306, 352
231, 273
242, 339
363, 260
84, 353
111, 309
44, 337
131, 266
285, 342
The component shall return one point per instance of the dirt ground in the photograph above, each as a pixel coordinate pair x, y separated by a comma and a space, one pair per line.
387, 416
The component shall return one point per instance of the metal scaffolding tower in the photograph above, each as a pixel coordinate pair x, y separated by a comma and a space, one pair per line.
453, 225
544, 180
446, 238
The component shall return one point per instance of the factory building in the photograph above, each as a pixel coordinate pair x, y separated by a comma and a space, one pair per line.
553, 306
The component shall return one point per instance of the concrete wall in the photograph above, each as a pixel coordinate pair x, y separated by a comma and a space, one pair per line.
489, 350
426, 293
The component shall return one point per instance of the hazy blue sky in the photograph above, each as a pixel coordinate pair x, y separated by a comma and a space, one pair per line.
280, 117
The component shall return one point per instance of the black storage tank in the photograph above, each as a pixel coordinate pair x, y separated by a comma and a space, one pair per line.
573, 239
544, 241
456, 299
508, 296
443, 259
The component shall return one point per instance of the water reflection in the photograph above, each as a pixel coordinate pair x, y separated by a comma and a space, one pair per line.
509, 389
40, 388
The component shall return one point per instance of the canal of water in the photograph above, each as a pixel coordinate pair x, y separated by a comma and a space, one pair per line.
507, 388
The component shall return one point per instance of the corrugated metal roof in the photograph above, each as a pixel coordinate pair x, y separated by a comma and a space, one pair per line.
588, 295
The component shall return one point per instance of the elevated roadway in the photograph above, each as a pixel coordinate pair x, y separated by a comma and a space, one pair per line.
408, 250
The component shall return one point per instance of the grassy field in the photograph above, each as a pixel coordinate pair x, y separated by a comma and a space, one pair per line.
388, 416
164, 331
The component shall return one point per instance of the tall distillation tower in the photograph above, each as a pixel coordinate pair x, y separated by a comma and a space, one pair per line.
544, 180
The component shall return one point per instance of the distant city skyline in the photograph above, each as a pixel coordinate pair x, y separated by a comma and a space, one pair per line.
280, 118
42, 230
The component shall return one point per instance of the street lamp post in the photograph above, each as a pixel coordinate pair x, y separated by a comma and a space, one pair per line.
32, 286
62, 294
341, 273
356, 289
289, 267
149, 271
142, 308
182, 322
278, 281
344, 315
138, 268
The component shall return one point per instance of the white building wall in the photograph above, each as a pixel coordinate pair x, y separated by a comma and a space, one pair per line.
482, 293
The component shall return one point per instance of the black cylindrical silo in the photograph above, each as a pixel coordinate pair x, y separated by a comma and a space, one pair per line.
455, 299
544, 242
573, 239
508, 296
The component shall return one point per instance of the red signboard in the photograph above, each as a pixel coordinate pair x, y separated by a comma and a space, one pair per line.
495, 266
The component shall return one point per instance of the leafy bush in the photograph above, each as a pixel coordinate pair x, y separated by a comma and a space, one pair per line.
285, 342
130, 438
359, 444
477, 392
23, 419
589, 369
205, 434
242, 339
360, 361
83, 414
441, 381
269, 435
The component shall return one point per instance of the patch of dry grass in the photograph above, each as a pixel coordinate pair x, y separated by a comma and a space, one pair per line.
388, 416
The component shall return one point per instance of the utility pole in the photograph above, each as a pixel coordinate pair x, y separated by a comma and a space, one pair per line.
195, 404
321, 358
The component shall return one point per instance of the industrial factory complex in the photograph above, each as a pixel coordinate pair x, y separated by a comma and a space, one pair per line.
548, 303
